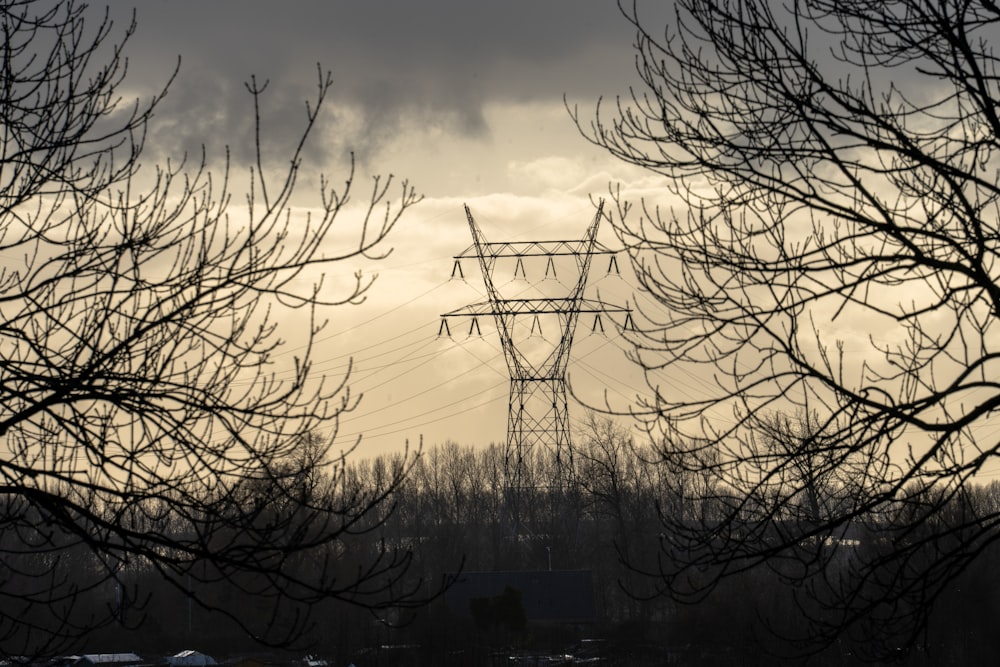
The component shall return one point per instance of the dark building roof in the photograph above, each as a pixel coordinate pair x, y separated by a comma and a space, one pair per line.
547, 595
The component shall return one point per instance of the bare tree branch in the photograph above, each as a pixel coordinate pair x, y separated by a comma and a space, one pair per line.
150, 411
832, 253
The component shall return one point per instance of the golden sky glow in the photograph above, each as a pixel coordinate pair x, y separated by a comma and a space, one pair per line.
470, 106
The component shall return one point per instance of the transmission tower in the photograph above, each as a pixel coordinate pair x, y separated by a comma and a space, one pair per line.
538, 411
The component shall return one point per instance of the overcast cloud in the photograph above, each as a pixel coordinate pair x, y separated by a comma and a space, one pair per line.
399, 66
463, 98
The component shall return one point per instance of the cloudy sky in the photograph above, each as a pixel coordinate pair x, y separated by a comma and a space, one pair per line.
466, 100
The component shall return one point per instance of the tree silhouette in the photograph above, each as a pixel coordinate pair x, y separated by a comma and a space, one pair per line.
156, 381
826, 245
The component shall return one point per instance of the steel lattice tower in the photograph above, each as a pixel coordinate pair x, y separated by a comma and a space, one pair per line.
538, 411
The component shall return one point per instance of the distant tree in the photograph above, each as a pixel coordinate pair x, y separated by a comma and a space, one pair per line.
621, 489
148, 386
827, 243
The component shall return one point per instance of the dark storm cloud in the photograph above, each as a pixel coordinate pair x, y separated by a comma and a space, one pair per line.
396, 63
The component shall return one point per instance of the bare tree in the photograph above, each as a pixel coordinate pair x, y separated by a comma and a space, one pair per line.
827, 244
149, 372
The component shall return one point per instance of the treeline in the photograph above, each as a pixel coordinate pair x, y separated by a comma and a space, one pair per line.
600, 507
615, 507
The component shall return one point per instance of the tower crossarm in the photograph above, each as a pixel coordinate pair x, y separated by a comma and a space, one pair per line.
536, 249
535, 307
